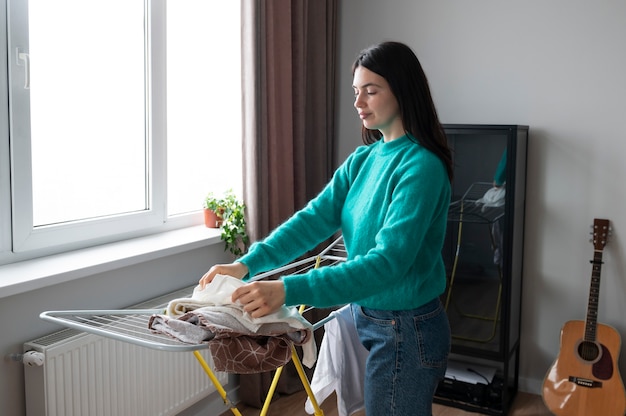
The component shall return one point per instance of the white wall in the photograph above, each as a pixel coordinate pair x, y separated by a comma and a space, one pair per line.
558, 66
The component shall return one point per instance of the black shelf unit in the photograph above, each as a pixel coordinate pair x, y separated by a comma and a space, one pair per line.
483, 253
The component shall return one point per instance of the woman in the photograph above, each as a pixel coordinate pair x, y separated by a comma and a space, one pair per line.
390, 200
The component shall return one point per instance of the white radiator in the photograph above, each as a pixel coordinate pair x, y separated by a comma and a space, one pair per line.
89, 375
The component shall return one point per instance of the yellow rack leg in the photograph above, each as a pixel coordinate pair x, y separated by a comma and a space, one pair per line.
305, 381
216, 383
270, 393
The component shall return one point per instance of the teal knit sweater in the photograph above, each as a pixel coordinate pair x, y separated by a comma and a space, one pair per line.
390, 201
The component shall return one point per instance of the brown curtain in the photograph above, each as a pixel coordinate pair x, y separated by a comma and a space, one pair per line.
288, 60
289, 52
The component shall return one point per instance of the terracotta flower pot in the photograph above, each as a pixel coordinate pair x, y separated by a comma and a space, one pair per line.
212, 219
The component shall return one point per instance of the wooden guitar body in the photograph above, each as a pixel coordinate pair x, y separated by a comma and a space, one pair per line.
584, 379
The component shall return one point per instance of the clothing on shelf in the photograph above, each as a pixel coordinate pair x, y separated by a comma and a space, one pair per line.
493, 198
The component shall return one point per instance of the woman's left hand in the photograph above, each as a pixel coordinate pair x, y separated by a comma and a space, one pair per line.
260, 298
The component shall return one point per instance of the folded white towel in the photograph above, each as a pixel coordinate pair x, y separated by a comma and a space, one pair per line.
217, 296
216, 293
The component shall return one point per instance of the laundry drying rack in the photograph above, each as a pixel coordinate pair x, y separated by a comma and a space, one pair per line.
131, 325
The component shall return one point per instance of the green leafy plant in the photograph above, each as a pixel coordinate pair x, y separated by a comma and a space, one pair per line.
212, 202
232, 212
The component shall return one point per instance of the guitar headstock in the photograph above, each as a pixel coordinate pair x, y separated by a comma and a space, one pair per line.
601, 230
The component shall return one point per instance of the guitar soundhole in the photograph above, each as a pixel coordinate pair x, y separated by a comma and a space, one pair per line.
603, 369
588, 351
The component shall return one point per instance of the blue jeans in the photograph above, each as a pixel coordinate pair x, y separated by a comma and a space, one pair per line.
408, 354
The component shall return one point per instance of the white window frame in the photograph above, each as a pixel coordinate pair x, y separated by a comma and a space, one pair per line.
5, 160
24, 241
26, 237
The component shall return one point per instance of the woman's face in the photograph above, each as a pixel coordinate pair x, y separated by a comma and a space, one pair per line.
377, 106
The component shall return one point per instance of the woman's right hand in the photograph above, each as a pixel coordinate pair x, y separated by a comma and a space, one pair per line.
236, 269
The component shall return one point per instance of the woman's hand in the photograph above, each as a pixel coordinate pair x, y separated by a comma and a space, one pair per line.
237, 269
260, 298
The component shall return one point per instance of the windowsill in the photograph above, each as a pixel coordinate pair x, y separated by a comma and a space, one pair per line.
38, 273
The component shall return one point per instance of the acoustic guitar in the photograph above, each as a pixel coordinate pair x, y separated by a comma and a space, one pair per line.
585, 380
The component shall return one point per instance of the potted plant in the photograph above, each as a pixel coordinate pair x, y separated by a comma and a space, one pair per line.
229, 214
213, 211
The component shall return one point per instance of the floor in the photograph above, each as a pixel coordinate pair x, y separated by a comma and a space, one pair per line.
525, 404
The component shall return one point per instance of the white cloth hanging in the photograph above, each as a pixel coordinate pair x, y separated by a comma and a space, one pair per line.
341, 365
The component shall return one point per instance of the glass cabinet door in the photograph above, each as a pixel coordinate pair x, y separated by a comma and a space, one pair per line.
479, 241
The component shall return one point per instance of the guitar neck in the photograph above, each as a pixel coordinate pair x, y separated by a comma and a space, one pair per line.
601, 231
591, 323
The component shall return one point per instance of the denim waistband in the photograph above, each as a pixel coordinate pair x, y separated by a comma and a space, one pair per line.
428, 307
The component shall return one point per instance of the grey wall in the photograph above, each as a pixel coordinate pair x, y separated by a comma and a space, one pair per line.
111, 290
558, 67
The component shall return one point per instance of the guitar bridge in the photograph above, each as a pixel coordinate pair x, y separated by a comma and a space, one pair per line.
585, 382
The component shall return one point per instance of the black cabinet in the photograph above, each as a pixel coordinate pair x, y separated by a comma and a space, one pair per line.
483, 254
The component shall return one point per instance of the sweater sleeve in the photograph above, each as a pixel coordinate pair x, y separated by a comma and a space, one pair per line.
306, 229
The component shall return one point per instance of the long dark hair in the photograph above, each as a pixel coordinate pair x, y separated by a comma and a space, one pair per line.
400, 67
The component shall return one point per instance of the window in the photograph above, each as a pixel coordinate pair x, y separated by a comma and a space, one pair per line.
204, 100
118, 127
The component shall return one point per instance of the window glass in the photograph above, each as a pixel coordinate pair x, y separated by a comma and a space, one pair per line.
203, 101
87, 108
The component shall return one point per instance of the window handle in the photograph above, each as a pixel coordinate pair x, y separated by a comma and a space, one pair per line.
24, 57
